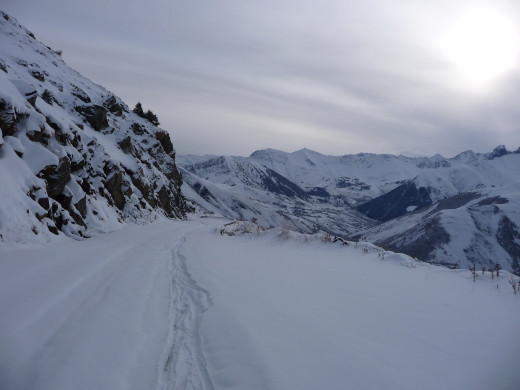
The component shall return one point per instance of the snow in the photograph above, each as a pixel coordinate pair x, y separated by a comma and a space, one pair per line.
16, 208
37, 157
89, 314
177, 305
306, 315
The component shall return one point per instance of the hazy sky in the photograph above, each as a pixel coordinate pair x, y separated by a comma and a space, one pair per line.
335, 76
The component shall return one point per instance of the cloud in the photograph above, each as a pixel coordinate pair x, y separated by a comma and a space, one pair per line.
336, 76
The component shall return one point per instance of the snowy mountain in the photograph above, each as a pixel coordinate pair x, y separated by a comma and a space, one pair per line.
452, 211
73, 157
242, 188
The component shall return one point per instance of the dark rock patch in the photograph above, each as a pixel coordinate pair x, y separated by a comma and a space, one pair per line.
319, 191
80, 94
393, 204
164, 138
508, 236
113, 106
126, 145
137, 129
493, 200
37, 75
419, 242
114, 187
56, 177
95, 115
7, 118
274, 182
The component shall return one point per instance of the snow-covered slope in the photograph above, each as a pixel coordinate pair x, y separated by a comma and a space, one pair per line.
481, 227
175, 305
333, 191
73, 157
241, 188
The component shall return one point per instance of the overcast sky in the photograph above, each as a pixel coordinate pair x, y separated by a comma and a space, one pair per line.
335, 76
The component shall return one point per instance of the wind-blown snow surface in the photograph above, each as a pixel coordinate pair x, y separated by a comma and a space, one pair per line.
177, 305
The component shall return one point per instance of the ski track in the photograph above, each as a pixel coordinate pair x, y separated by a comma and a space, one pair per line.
183, 365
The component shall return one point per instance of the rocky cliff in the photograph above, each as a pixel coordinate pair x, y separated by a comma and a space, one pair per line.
73, 157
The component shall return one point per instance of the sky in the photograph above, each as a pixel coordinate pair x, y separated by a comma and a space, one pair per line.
334, 76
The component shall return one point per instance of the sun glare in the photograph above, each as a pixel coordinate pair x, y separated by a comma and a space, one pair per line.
483, 44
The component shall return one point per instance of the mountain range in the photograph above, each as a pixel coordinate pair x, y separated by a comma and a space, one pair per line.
451, 211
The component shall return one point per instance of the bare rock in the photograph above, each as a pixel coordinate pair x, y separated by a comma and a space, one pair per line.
56, 177
164, 138
114, 187
113, 106
95, 115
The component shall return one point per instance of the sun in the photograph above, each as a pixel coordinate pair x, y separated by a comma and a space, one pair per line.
483, 44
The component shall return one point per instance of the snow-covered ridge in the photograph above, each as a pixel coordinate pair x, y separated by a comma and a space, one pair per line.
364, 176
73, 157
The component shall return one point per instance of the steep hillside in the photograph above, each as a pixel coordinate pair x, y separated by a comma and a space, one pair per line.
73, 157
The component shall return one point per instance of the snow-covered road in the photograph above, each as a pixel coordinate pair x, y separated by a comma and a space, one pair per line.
102, 313
174, 305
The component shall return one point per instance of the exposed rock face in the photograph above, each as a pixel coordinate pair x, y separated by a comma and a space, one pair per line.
420, 243
508, 235
164, 139
95, 115
80, 94
396, 202
126, 145
7, 118
113, 185
113, 106
84, 162
56, 177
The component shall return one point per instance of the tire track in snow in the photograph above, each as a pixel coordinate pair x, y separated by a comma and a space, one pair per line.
183, 365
